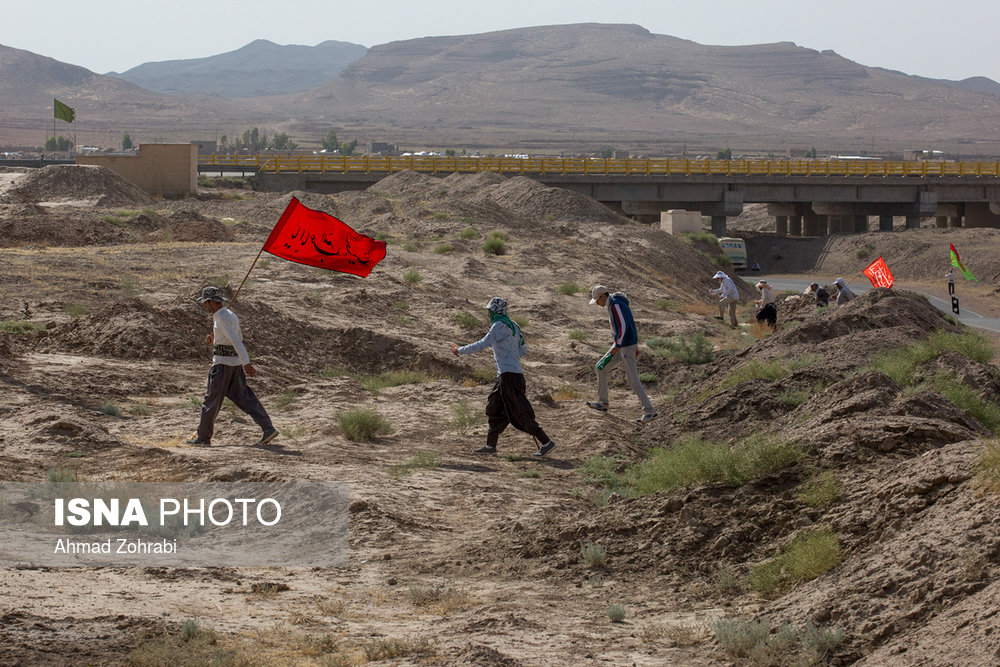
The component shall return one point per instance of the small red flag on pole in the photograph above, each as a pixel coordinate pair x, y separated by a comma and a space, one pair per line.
880, 275
318, 239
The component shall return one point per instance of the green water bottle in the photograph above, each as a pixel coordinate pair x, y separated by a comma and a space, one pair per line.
604, 360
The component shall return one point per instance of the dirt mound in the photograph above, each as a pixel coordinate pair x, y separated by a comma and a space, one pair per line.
65, 183
529, 199
134, 329
59, 231
205, 231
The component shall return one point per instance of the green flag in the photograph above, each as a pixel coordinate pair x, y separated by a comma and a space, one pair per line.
956, 261
63, 111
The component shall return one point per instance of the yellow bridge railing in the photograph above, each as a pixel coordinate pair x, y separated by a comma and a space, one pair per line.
363, 164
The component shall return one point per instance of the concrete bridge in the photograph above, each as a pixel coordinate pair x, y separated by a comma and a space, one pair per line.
806, 197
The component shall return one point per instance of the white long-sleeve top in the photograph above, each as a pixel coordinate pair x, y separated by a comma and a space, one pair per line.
727, 290
226, 331
766, 295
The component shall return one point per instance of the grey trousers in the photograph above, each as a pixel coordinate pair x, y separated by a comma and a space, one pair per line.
731, 302
229, 382
626, 355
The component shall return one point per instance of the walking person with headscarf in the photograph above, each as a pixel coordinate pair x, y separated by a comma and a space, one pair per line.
768, 310
843, 294
623, 349
729, 296
507, 403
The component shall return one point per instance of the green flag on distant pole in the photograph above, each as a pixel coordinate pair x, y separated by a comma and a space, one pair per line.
62, 111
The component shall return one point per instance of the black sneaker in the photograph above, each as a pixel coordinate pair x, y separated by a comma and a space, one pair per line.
195, 441
597, 405
269, 435
486, 449
546, 448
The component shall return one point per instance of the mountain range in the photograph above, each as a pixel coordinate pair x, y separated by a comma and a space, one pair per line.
551, 89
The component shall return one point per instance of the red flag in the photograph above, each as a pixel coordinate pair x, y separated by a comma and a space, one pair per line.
880, 275
318, 239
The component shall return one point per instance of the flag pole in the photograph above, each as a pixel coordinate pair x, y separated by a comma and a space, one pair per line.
259, 253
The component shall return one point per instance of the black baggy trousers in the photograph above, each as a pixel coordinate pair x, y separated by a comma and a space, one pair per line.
229, 382
507, 404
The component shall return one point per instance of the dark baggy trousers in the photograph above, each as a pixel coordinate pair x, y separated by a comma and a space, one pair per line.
507, 404
229, 382
768, 314
951, 287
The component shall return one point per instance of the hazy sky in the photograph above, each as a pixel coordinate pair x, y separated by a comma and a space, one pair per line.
952, 40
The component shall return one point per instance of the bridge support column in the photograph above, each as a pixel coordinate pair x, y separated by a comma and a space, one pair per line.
912, 222
719, 225
832, 225
954, 221
781, 225
885, 223
795, 225
861, 224
813, 225
941, 221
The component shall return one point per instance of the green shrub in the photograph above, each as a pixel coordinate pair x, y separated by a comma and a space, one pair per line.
594, 555
412, 276
465, 416
495, 243
616, 613
902, 363
648, 378
962, 396
109, 408
820, 490
375, 383
578, 334
988, 467
694, 461
755, 369
466, 320
792, 398
75, 310
811, 554
751, 641
696, 350
363, 425
520, 320
285, 399
443, 248
569, 289
61, 475
468, 233
422, 459
20, 326
700, 237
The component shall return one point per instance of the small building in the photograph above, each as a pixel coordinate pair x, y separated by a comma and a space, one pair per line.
159, 169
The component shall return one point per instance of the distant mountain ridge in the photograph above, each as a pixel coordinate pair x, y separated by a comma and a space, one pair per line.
260, 68
546, 89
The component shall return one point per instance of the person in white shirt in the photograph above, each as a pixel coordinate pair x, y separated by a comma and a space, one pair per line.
768, 310
951, 281
729, 297
230, 368
844, 294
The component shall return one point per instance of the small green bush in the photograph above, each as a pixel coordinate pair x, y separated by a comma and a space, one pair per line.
466, 320
495, 243
569, 289
901, 364
75, 310
751, 641
962, 396
988, 467
468, 233
109, 408
375, 383
412, 276
363, 425
466, 417
61, 475
811, 554
755, 369
20, 326
422, 460
792, 398
520, 320
443, 248
648, 378
820, 490
594, 555
696, 350
578, 335
616, 613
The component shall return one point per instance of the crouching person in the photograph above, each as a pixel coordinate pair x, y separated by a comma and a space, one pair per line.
507, 403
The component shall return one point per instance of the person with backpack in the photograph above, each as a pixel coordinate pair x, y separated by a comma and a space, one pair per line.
507, 403
623, 349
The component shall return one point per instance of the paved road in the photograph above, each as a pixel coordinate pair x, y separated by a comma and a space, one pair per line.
969, 317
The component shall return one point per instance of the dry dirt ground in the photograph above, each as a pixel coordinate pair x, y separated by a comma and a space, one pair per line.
464, 560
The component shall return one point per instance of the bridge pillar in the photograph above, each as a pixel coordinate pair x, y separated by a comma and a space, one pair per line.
813, 225
832, 225
719, 225
781, 225
912, 222
941, 221
861, 224
955, 221
885, 223
795, 225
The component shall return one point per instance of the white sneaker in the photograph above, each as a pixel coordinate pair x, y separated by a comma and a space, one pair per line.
648, 417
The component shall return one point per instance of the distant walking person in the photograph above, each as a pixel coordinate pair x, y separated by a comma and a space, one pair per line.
822, 296
729, 297
623, 349
230, 368
507, 403
951, 281
843, 294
